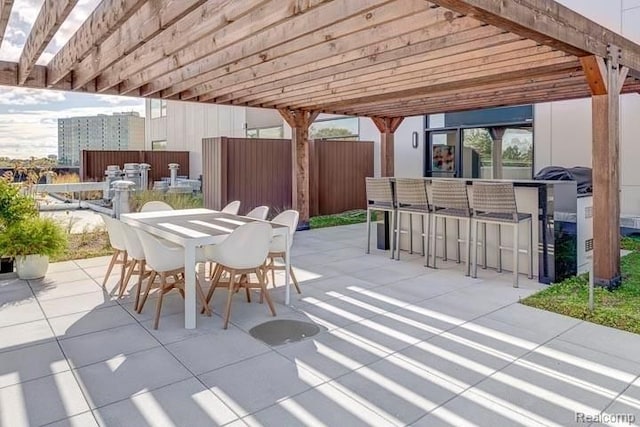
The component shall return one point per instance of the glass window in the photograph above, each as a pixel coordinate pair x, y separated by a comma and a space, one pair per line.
342, 128
158, 108
159, 145
498, 152
275, 132
435, 121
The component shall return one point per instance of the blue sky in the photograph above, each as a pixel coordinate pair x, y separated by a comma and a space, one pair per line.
28, 117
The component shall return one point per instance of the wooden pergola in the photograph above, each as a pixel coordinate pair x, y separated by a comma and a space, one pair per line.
385, 59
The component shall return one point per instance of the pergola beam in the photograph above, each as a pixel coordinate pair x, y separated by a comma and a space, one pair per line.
52, 14
5, 13
108, 16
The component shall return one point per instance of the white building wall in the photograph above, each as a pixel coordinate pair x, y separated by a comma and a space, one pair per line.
562, 130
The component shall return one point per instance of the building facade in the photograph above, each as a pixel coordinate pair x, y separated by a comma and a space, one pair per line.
510, 143
120, 131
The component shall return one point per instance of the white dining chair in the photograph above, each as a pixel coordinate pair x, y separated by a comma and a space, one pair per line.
259, 212
242, 253
232, 208
165, 261
155, 206
116, 240
278, 249
135, 252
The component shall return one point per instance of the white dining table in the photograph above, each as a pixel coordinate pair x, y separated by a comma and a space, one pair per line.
193, 228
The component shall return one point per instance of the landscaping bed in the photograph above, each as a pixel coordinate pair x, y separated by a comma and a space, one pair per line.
619, 308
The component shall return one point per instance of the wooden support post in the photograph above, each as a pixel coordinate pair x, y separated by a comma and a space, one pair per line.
387, 126
604, 77
300, 120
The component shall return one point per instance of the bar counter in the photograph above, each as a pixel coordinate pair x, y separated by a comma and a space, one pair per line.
562, 229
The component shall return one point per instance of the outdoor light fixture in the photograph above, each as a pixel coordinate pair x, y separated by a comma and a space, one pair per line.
414, 140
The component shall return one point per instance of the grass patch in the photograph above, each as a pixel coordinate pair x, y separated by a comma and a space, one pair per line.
619, 308
85, 245
345, 218
630, 243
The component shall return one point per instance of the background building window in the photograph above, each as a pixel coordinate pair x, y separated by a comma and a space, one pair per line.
275, 132
159, 145
341, 128
158, 108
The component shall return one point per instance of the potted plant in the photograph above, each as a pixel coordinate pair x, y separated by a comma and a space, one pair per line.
32, 241
14, 207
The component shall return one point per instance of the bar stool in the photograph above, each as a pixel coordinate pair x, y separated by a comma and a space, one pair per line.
449, 200
495, 203
380, 198
411, 198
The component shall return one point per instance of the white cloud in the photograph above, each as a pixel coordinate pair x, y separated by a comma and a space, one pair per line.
25, 96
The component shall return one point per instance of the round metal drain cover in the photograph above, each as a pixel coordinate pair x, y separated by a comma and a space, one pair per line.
279, 332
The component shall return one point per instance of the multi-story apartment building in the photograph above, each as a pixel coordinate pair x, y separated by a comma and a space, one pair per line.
120, 131
497, 143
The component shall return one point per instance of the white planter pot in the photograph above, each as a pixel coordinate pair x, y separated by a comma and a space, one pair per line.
32, 266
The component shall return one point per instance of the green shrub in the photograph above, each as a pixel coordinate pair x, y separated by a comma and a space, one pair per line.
33, 236
14, 206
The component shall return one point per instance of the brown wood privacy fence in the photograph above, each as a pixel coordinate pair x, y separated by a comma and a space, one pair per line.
259, 172
93, 163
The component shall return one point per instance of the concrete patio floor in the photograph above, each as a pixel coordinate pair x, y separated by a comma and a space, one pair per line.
400, 345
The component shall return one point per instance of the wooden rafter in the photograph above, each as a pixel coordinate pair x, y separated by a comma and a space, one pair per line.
554, 24
374, 57
147, 23
335, 23
384, 58
5, 13
425, 72
108, 16
52, 14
